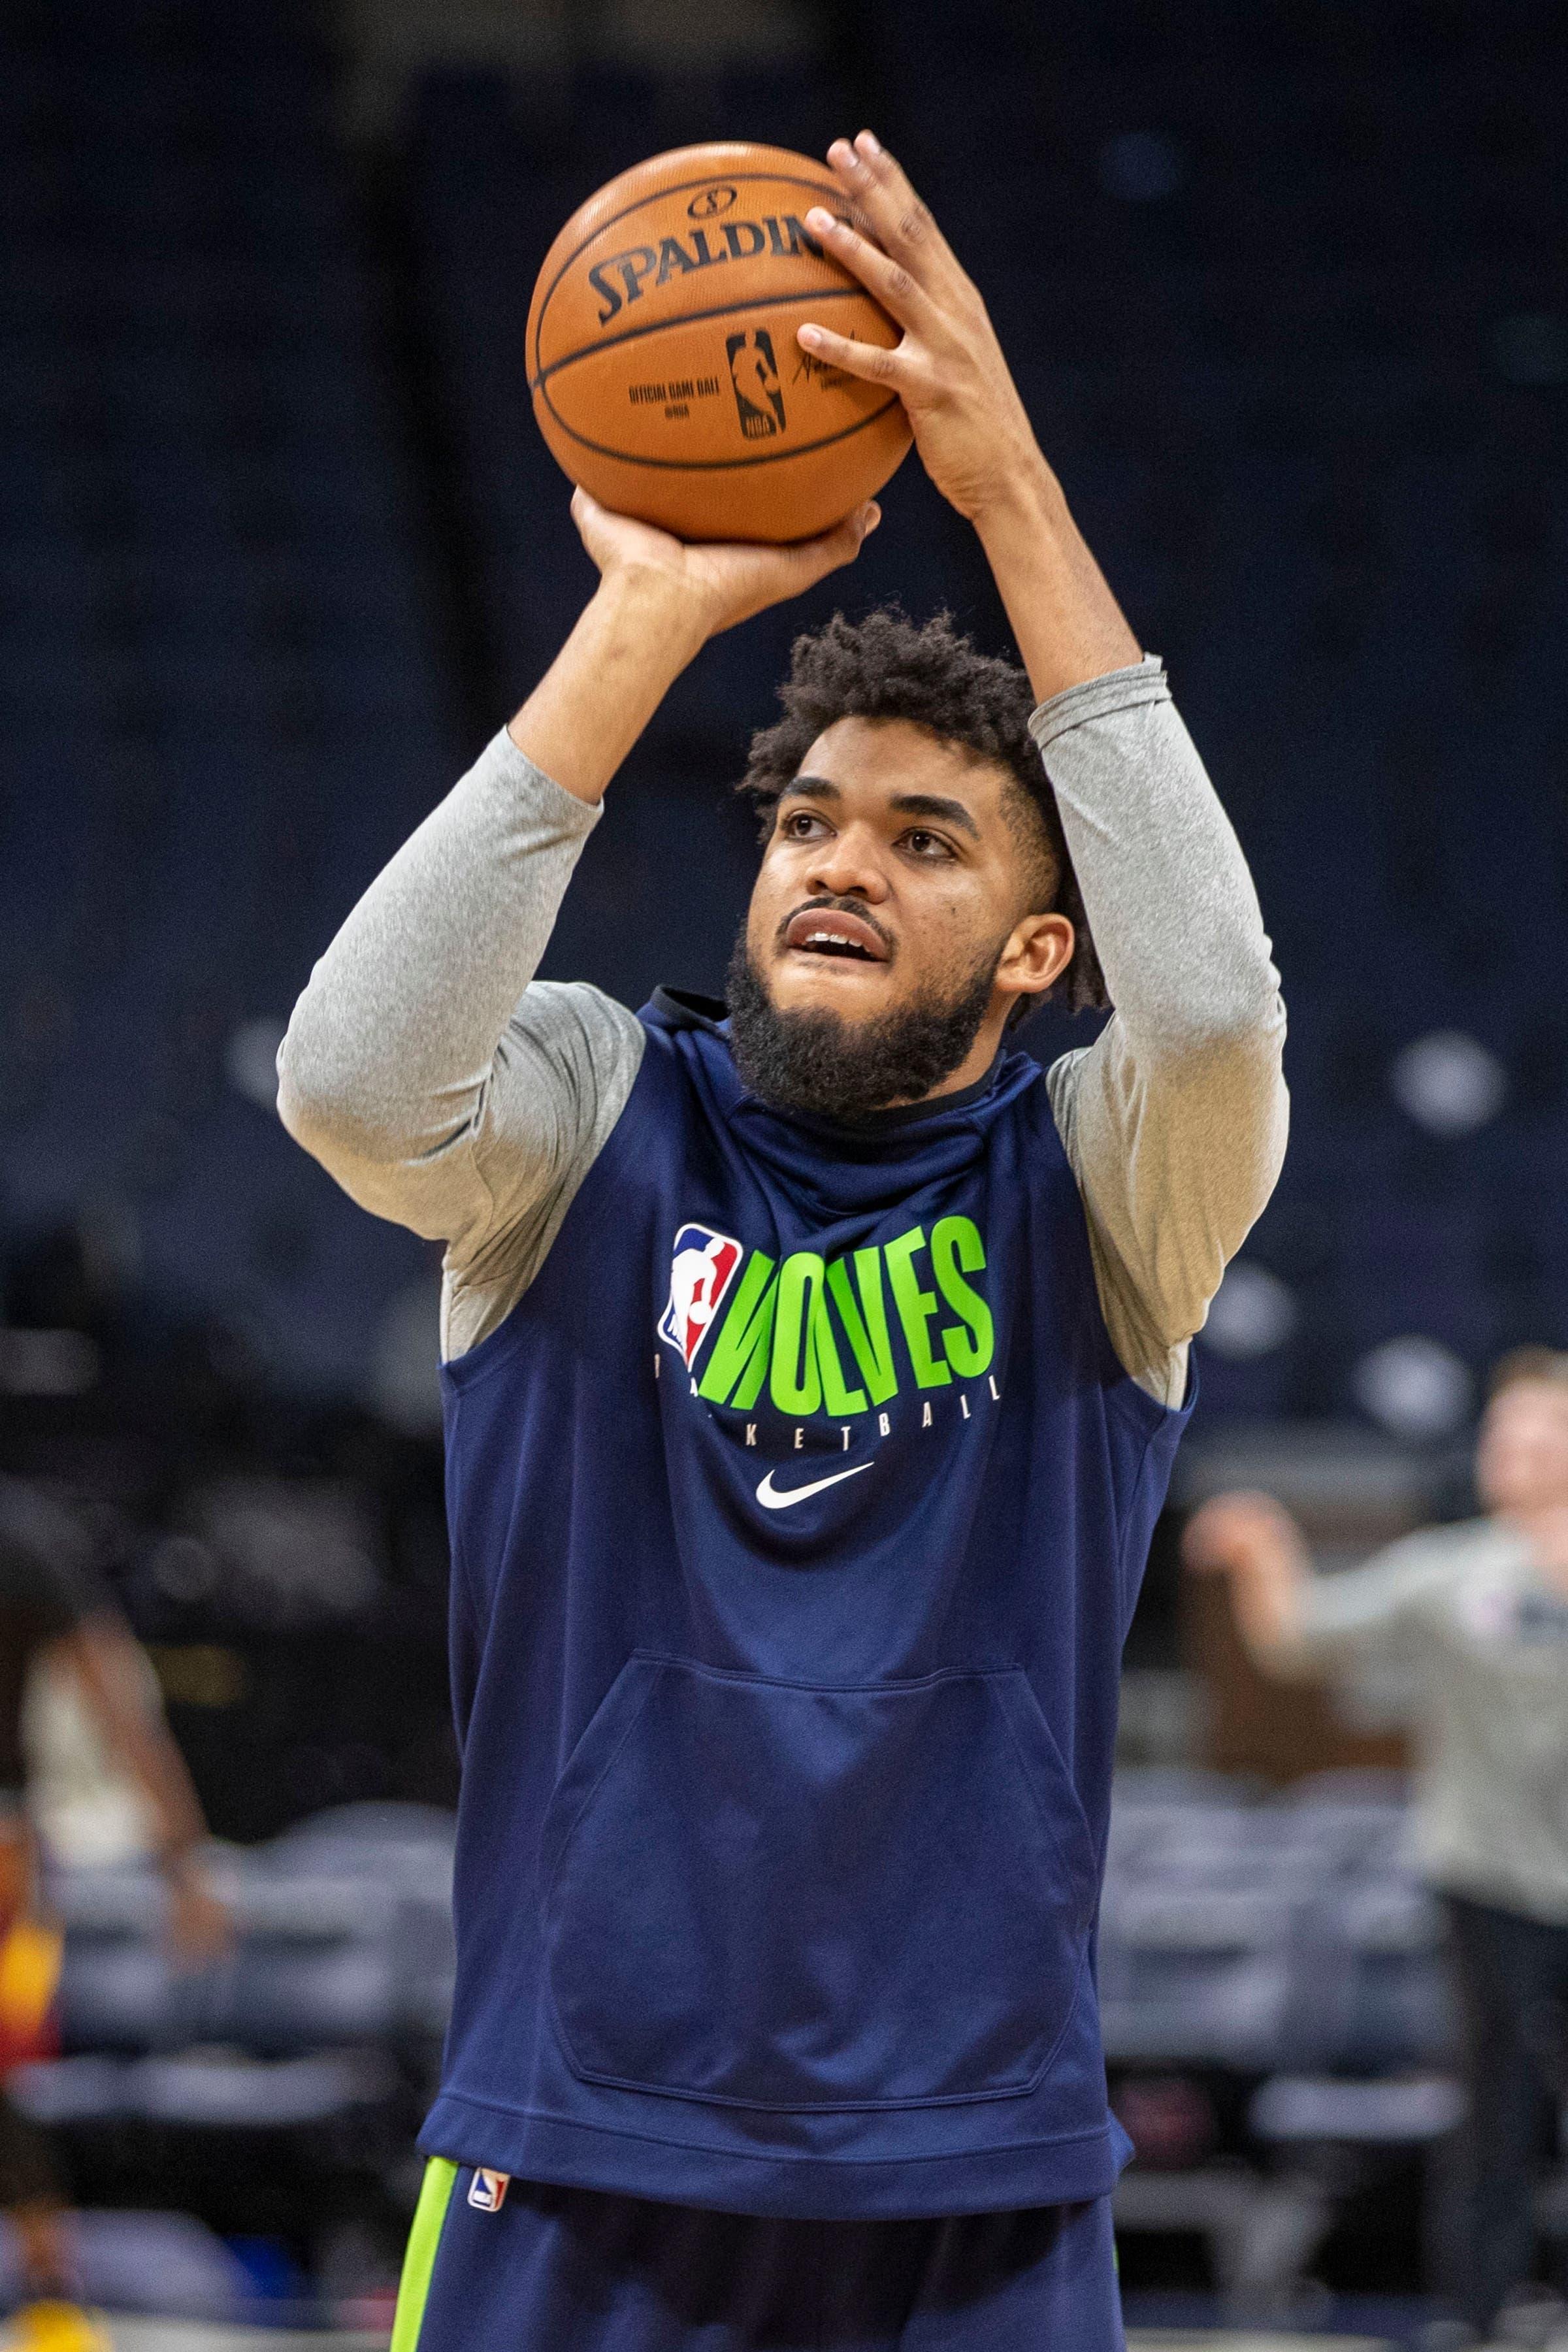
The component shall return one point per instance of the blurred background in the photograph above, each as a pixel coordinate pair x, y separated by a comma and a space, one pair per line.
280, 547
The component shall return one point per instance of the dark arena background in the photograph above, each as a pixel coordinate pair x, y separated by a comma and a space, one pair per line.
280, 547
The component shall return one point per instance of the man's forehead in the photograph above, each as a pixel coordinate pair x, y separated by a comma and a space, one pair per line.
1537, 1399
888, 755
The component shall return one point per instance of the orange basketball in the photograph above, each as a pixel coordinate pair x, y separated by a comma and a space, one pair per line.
662, 356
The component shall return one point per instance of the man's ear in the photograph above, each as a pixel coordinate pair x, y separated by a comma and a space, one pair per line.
1037, 954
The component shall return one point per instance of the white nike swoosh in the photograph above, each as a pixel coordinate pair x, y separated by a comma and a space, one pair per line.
771, 1500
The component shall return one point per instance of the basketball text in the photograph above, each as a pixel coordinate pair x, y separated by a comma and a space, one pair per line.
625, 277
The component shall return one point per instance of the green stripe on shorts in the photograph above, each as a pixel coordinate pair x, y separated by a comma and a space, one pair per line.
435, 2196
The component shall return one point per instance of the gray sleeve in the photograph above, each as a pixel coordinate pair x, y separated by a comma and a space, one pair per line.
427, 1076
1174, 1118
1385, 1606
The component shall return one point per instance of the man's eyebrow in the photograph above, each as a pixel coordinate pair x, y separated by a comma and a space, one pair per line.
930, 805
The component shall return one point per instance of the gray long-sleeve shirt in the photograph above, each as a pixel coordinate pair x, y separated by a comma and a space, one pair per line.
448, 1089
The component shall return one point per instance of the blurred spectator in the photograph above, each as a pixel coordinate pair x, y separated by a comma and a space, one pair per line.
1482, 1608
55, 1610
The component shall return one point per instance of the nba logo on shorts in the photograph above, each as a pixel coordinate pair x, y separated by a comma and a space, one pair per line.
700, 1271
487, 2190
754, 371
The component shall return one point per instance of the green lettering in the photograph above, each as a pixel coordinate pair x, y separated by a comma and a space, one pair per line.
866, 1325
916, 1306
955, 1244
738, 1361
807, 1372
796, 1384
839, 1398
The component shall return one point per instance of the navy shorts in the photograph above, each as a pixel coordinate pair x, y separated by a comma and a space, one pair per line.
572, 2267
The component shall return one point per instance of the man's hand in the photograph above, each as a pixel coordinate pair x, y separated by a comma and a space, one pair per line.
709, 587
1253, 1541
970, 427
1233, 1532
659, 602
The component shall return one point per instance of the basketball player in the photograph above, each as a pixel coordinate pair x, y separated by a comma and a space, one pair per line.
1482, 1610
813, 1374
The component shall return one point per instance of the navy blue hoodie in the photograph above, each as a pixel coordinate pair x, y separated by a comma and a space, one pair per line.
798, 1511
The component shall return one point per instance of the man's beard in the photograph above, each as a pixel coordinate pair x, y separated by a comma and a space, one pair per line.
815, 1060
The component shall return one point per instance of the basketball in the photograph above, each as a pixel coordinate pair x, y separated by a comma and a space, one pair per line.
662, 356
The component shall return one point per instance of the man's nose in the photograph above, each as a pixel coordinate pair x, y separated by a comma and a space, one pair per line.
848, 866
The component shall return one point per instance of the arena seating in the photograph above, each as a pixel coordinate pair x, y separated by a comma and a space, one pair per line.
1283, 1934
345, 1942
306, 2056
166, 2264
221, 706
1283, 1946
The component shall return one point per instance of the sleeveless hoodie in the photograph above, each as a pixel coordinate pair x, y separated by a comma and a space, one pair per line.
798, 1511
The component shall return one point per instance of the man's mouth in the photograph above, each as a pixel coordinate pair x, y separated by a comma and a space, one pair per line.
833, 932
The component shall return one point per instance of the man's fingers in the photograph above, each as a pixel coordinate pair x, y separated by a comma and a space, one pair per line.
873, 362
887, 279
842, 544
592, 520
761, 576
901, 222
845, 540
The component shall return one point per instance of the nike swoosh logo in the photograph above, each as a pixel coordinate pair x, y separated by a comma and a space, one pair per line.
771, 1501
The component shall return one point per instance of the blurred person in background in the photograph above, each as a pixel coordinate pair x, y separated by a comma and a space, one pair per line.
1482, 1608
56, 1613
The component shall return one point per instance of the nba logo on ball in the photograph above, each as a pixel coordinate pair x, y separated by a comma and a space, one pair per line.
754, 371
700, 1271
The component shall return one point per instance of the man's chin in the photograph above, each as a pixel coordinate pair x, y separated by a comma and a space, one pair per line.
838, 1042
799, 983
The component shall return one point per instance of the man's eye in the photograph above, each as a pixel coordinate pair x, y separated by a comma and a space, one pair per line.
799, 824
926, 844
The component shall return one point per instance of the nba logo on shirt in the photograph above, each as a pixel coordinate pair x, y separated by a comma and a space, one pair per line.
486, 2191
700, 1271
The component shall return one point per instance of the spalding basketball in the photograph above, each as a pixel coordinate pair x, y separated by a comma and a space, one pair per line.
662, 356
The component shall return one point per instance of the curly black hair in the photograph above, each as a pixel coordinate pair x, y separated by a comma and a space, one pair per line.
886, 667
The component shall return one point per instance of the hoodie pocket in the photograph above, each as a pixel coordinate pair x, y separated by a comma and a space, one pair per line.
779, 1895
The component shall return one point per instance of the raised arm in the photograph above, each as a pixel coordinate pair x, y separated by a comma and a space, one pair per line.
1297, 1624
420, 1067
1174, 1119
